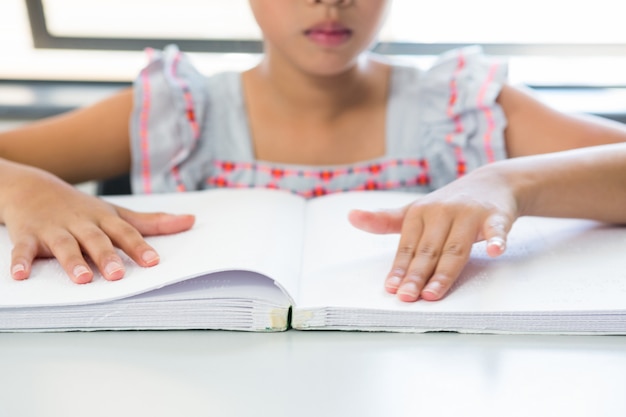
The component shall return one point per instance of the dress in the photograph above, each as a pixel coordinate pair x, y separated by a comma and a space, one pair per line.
190, 132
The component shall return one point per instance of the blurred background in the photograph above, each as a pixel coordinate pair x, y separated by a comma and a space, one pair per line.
59, 54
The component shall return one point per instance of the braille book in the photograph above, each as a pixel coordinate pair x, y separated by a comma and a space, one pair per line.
267, 260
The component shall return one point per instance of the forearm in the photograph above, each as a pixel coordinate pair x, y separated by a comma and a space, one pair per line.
12, 171
584, 183
86, 144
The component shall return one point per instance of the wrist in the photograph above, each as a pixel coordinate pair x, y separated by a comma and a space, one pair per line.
513, 178
19, 182
532, 182
522, 185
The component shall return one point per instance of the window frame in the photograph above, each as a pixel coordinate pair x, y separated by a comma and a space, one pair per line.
39, 96
42, 38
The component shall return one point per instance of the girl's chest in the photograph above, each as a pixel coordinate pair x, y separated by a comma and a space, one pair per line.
355, 137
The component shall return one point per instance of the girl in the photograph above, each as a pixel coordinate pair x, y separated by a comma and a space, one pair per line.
318, 114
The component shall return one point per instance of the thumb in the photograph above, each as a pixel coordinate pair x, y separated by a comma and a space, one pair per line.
379, 222
495, 231
152, 224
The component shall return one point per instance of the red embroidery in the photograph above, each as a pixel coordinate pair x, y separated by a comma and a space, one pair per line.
371, 185
319, 191
277, 173
220, 182
461, 168
375, 169
270, 176
227, 166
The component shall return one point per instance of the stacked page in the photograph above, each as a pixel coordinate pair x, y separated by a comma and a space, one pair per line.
241, 238
557, 276
264, 260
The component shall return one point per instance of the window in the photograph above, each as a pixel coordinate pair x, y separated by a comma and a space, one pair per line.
196, 25
548, 42
530, 27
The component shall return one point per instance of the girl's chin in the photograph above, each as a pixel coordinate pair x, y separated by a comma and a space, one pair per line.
329, 67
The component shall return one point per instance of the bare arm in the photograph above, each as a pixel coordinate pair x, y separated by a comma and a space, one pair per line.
535, 128
583, 183
85, 144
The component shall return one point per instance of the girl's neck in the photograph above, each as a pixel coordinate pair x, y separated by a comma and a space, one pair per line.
323, 97
302, 118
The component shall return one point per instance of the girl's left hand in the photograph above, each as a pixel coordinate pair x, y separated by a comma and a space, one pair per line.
439, 229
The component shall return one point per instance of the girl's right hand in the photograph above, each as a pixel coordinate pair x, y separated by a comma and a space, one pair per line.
47, 217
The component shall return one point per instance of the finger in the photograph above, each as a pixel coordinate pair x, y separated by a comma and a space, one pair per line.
128, 239
152, 224
100, 249
410, 235
379, 222
454, 256
64, 247
495, 231
22, 256
425, 259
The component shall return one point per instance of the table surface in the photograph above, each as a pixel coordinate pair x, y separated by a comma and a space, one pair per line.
212, 373
215, 373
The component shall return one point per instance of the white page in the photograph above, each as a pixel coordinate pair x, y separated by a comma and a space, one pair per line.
550, 265
257, 230
337, 255
226, 285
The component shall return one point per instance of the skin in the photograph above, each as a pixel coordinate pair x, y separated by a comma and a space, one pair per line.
438, 230
331, 97
73, 223
434, 245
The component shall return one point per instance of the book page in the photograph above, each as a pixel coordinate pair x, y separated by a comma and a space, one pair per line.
550, 265
336, 255
255, 230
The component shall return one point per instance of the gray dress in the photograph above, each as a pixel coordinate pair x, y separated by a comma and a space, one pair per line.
191, 132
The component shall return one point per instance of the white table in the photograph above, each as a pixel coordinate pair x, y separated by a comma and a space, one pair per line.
210, 373
321, 374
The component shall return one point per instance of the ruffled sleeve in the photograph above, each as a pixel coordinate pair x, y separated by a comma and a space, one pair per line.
166, 122
462, 125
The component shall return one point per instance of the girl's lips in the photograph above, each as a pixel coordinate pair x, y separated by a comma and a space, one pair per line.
328, 34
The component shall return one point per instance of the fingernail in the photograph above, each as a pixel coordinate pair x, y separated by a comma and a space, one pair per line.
433, 287
409, 289
80, 270
496, 246
393, 282
112, 268
496, 241
150, 257
18, 270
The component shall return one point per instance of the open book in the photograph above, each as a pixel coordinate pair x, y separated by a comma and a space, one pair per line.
266, 260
